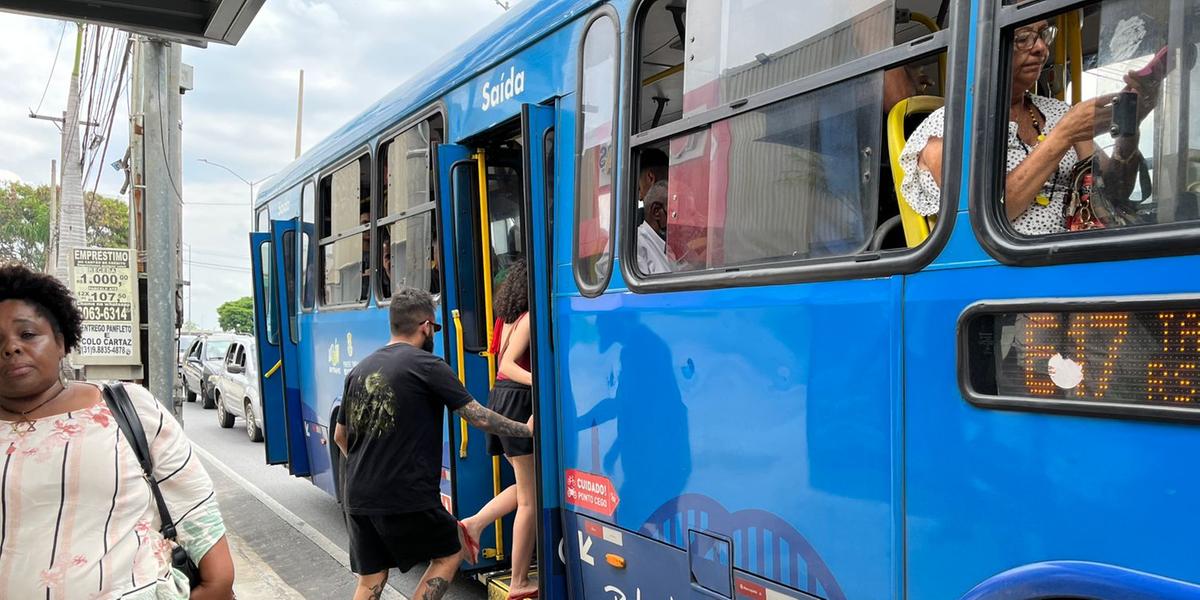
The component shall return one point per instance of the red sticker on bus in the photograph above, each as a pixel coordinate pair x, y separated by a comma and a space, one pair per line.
593, 492
750, 590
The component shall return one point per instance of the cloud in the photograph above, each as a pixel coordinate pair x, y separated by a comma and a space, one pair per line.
242, 112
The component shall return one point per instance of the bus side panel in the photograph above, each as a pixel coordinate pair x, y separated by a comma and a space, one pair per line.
763, 415
990, 490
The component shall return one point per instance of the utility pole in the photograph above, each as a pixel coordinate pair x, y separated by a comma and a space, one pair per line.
299, 119
158, 65
67, 222
51, 259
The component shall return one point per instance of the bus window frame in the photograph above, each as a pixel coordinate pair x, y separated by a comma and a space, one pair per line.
389, 135
303, 265
591, 291
355, 155
953, 41
999, 240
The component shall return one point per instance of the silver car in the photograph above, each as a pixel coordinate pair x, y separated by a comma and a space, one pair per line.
202, 363
235, 390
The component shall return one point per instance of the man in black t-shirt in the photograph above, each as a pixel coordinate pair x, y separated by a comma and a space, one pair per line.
389, 428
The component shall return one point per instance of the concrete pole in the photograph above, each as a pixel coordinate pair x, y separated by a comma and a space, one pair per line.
51, 259
162, 196
299, 119
71, 222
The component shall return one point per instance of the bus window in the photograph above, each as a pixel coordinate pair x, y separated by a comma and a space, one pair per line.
406, 225
597, 107
1114, 147
262, 220
505, 194
345, 245
308, 213
792, 176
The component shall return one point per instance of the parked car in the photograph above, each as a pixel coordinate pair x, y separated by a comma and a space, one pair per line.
236, 389
204, 360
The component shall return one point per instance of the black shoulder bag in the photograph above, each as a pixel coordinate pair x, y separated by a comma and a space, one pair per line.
126, 417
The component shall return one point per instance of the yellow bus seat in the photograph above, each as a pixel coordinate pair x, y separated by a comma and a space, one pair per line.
916, 227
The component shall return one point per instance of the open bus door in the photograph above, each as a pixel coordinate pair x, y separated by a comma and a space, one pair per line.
285, 240
266, 333
468, 474
537, 130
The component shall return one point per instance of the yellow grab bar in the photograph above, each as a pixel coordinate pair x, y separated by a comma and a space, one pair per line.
273, 369
485, 239
1075, 48
462, 378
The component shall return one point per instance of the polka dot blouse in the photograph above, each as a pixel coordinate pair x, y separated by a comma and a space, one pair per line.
922, 194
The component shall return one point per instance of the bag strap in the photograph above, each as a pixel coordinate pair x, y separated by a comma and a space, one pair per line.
123, 411
504, 346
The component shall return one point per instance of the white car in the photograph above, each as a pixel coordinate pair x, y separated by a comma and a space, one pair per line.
235, 389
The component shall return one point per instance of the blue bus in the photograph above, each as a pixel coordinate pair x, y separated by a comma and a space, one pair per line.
818, 391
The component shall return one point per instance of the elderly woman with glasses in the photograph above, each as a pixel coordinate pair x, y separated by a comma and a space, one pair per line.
1046, 138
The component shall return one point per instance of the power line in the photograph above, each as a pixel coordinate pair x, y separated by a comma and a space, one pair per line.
54, 64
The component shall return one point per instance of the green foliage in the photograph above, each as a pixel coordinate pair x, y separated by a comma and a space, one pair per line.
25, 222
107, 221
237, 315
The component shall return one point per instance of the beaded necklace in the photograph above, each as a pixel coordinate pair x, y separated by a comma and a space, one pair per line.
1041, 199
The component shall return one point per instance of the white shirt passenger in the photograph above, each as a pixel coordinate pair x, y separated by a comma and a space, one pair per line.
651, 251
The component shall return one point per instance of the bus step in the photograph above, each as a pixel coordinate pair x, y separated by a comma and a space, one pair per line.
497, 583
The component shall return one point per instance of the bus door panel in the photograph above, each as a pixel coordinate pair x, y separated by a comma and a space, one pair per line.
270, 377
537, 129
285, 240
467, 473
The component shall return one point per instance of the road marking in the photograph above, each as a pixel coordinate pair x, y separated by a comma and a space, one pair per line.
289, 517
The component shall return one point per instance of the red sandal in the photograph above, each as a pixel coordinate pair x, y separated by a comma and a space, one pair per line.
472, 545
530, 595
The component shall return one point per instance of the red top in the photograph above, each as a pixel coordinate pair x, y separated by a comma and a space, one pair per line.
498, 348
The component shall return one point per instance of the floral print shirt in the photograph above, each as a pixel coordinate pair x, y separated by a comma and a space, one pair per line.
77, 519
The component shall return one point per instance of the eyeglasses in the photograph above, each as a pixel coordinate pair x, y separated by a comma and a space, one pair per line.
1025, 40
436, 327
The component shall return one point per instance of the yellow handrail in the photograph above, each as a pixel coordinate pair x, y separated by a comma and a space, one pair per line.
273, 369
1075, 47
485, 239
462, 378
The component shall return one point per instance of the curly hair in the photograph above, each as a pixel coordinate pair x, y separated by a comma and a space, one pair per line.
512, 299
52, 300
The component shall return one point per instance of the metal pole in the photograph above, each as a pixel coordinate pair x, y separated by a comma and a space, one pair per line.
50, 261
299, 117
162, 201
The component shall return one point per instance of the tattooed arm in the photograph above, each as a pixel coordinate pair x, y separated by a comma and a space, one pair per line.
479, 416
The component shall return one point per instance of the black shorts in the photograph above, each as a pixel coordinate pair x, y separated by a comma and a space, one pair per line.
402, 540
515, 401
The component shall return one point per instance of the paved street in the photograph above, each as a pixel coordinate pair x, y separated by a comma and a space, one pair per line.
289, 536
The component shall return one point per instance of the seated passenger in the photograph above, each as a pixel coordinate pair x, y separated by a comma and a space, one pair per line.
1046, 138
652, 232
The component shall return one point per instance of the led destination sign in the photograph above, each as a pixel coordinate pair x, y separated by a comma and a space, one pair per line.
1147, 356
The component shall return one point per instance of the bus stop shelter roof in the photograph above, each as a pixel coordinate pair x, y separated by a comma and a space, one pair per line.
195, 22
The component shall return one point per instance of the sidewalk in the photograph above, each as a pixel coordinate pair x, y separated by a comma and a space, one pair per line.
272, 558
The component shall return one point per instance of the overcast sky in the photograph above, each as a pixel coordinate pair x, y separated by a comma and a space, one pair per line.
242, 113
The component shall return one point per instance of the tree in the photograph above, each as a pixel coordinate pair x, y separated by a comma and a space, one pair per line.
25, 222
237, 315
107, 221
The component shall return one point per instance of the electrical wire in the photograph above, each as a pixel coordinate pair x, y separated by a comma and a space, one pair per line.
54, 64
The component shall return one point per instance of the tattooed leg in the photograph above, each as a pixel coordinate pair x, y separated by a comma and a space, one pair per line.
437, 578
370, 587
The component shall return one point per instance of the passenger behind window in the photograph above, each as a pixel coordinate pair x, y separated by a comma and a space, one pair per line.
1046, 137
652, 231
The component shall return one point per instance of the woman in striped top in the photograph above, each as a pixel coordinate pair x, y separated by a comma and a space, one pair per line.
77, 519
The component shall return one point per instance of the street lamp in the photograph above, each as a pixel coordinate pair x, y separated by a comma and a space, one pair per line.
235, 174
